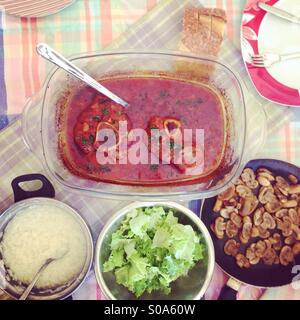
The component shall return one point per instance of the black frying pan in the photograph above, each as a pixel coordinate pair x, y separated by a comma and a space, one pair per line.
259, 275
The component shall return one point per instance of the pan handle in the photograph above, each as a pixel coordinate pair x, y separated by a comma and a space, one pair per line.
230, 290
46, 190
227, 293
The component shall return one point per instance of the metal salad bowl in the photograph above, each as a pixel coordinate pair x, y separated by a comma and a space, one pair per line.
190, 287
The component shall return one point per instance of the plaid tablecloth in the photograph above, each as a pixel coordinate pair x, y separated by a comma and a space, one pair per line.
90, 26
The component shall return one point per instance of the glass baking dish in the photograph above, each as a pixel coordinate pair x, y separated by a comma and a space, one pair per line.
246, 121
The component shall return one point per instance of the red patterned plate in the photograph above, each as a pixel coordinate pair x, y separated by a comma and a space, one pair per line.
34, 8
262, 33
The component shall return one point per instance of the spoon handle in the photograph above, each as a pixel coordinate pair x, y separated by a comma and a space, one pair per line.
27, 291
51, 55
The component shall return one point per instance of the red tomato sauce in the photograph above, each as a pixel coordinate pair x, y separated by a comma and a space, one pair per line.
189, 105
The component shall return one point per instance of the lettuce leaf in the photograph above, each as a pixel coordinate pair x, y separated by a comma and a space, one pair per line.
116, 259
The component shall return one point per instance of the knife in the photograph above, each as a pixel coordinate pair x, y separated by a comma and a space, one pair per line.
279, 12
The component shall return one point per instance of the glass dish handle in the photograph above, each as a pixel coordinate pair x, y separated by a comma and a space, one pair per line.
264, 131
25, 124
31, 124
260, 136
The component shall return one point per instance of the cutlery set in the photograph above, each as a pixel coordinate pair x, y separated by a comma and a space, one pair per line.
265, 60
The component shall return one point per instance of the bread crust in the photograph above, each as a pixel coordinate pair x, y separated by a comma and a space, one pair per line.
203, 30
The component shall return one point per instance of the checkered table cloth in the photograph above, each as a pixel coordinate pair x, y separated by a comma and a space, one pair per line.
90, 26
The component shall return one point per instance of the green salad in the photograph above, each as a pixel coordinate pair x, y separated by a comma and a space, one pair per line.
151, 249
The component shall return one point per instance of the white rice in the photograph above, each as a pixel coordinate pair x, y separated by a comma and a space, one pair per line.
37, 234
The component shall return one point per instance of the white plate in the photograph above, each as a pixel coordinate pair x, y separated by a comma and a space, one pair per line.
262, 32
281, 36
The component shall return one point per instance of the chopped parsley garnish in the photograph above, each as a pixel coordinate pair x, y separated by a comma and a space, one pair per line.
153, 167
105, 111
173, 145
84, 141
90, 167
97, 118
163, 93
91, 138
143, 95
104, 169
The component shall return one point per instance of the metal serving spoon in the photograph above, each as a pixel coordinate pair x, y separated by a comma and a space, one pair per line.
27, 291
51, 55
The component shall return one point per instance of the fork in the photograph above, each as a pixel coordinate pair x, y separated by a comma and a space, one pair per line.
34, 8
265, 60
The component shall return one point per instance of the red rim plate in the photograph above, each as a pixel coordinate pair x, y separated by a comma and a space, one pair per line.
265, 84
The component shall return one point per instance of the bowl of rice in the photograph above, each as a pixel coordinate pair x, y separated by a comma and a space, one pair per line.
34, 230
